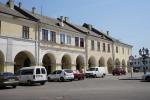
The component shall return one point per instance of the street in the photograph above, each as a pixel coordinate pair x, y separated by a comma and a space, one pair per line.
108, 88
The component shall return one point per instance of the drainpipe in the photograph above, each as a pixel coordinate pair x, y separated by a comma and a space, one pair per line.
86, 50
38, 60
113, 54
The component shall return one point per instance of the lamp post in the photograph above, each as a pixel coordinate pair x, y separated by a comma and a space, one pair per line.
131, 58
144, 53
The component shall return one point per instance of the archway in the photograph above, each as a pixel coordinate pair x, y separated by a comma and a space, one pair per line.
117, 62
49, 62
102, 62
110, 65
23, 59
92, 62
80, 62
1, 62
123, 64
66, 62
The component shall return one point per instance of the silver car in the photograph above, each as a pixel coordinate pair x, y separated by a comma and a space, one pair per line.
146, 77
61, 75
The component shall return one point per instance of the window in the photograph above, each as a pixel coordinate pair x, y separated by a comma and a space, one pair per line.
0, 27
104, 48
53, 36
81, 42
44, 35
68, 39
25, 32
38, 71
98, 46
123, 50
62, 38
77, 41
116, 49
27, 72
43, 71
92, 44
108, 47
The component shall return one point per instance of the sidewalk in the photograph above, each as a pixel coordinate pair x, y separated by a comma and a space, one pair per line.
135, 76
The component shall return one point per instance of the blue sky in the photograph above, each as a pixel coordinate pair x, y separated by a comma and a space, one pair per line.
126, 20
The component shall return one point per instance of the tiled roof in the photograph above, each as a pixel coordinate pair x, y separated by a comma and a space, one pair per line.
6, 10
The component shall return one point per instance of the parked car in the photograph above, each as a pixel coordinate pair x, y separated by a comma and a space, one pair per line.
8, 79
31, 75
78, 75
61, 75
95, 72
118, 71
146, 77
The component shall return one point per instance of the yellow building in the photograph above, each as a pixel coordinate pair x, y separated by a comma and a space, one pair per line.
27, 38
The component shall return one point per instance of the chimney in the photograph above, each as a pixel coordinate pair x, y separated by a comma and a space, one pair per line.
33, 10
61, 20
10, 4
66, 19
20, 5
107, 33
89, 26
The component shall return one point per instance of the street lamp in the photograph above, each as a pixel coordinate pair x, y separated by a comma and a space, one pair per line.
131, 58
144, 53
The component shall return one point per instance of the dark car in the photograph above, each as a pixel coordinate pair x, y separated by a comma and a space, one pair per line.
78, 75
118, 71
8, 79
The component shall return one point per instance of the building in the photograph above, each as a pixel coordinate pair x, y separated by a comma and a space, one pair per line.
28, 38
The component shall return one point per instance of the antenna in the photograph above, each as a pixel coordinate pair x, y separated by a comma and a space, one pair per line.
41, 10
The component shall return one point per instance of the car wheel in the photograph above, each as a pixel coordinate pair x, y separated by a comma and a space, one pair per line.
147, 78
14, 86
95, 76
29, 82
42, 83
49, 79
61, 79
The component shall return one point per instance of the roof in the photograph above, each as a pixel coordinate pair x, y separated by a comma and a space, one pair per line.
4, 9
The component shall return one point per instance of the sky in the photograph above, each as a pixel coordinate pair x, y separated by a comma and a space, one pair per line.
126, 20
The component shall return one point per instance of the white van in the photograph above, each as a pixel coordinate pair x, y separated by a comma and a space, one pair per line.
95, 72
31, 75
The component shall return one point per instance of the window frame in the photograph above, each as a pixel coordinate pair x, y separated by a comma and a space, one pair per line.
44, 34
92, 45
25, 32
98, 46
62, 38
77, 41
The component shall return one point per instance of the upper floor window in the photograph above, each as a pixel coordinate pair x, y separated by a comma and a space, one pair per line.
92, 44
68, 39
77, 41
98, 46
116, 49
62, 38
81, 42
25, 32
53, 36
108, 47
0, 26
104, 48
123, 50
44, 34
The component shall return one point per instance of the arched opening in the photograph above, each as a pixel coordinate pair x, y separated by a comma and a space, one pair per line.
110, 65
102, 62
80, 63
23, 59
1, 62
49, 62
66, 62
92, 62
123, 64
117, 62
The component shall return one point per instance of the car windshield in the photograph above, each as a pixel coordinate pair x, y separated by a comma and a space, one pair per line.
68, 71
91, 69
